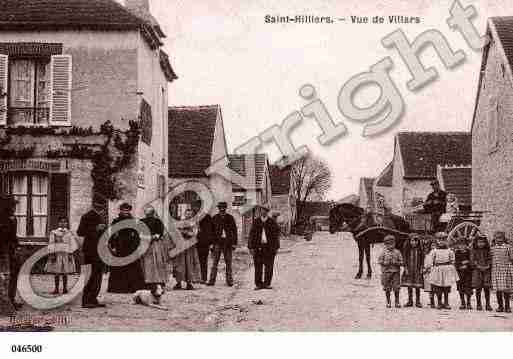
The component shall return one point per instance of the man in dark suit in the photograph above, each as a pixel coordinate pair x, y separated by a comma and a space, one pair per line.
224, 241
205, 238
92, 225
264, 242
436, 204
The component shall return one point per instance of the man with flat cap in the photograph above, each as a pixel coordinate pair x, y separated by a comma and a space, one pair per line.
264, 242
224, 241
435, 204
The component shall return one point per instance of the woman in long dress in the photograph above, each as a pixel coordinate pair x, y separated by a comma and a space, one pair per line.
128, 278
154, 260
61, 264
186, 266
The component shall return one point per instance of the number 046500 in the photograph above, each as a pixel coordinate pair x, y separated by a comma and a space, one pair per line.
26, 348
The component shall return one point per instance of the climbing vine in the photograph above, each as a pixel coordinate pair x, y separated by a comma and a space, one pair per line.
114, 154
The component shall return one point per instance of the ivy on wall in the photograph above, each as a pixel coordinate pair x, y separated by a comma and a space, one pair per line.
114, 155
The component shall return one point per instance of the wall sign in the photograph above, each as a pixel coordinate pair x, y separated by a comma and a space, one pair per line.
30, 165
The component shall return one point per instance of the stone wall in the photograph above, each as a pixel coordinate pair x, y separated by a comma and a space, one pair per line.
492, 166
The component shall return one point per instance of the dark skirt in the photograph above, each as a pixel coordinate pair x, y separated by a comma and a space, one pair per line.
464, 285
481, 279
126, 279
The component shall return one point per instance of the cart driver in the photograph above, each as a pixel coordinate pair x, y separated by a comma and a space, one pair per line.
435, 204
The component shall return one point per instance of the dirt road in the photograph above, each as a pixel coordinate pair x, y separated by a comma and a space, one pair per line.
314, 290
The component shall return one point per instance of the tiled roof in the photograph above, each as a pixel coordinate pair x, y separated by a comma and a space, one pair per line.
458, 180
57, 14
423, 151
239, 163
191, 140
386, 177
280, 180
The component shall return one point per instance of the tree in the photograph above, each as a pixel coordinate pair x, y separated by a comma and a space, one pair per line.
311, 180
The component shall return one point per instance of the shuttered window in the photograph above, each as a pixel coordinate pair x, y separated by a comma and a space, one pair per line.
42, 200
4, 61
60, 98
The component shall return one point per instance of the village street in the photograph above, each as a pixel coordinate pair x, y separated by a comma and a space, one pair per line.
313, 290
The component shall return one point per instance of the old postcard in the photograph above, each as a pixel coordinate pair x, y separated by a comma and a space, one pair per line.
249, 166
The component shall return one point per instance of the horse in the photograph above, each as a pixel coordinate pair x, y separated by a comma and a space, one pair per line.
367, 228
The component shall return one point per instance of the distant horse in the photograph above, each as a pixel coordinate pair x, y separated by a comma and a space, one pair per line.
367, 228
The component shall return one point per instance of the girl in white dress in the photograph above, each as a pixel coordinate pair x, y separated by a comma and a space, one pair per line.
61, 264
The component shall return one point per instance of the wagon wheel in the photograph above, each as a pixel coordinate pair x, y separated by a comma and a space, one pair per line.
468, 230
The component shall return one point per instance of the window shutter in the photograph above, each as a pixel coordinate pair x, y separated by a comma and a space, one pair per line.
4, 63
59, 197
60, 90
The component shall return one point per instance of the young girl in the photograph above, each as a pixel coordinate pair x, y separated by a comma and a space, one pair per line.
452, 207
61, 264
502, 271
413, 256
186, 267
443, 275
429, 246
391, 261
462, 263
481, 263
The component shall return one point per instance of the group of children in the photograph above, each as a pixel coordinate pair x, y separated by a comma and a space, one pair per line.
435, 267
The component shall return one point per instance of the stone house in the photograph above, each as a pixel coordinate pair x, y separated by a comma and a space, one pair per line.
64, 72
283, 200
492, 128
366, 192
196, 141
256, 190
415, 161
382, 189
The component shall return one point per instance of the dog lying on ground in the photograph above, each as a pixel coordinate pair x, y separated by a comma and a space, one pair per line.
150, 298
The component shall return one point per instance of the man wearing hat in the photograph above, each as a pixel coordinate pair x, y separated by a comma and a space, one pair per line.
435, 204
264, 242
224, 241
91, 227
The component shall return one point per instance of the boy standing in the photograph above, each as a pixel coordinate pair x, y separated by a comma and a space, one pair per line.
391, 261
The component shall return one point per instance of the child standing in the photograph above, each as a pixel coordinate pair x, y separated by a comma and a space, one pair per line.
442, 275
428, 260
462, 264
391, 261
413, 255
502, 271
481, 263
61, 264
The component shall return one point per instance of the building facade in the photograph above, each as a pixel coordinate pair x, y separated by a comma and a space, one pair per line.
492, 148
196, 141
83, 109
283, 201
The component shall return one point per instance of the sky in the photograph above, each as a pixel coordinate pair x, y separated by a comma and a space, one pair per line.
224, 53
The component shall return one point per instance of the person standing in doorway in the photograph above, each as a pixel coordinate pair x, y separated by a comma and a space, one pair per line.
92, 225
224, 241
264, 242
